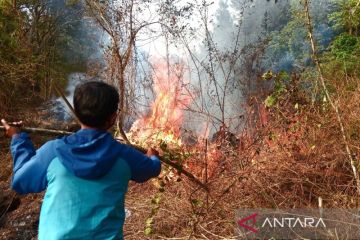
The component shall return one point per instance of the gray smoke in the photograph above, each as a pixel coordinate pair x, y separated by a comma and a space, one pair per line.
81, 44
246, 39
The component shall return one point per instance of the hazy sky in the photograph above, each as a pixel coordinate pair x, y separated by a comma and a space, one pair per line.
157, 48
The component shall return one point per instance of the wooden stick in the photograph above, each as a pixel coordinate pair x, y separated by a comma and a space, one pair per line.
43, 131
123, 135
68, 104
189, 175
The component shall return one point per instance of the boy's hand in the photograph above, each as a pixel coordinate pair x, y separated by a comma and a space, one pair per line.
13, 129
152, 152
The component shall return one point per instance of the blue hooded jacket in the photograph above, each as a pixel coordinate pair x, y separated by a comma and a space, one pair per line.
86, 178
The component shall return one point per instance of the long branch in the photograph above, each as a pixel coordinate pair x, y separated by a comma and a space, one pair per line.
178, 167
42, 131
62, 95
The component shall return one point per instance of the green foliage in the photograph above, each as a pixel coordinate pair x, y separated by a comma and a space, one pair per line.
197, 202
348, 16
280, 82
288, 41
289, 47
155, 202
148, 226
345, 46
171, 151
268, 75
345, 51
270, 101
344, 55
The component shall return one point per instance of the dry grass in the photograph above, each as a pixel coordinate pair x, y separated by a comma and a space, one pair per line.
297, 158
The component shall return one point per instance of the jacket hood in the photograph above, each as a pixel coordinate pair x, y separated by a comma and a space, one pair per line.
88, 153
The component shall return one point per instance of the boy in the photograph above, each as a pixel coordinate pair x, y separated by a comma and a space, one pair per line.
85, 174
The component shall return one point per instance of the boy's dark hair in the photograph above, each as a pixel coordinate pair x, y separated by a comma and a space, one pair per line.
95, 102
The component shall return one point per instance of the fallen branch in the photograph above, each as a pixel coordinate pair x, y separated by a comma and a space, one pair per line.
180, 169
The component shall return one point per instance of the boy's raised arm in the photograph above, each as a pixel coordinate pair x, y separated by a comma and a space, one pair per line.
142, 167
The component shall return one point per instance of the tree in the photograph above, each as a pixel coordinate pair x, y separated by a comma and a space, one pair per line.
34, 54
121, 22
348, 16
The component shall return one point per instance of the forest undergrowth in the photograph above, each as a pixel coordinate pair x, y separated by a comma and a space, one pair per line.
294, 157
295, 160
290, 154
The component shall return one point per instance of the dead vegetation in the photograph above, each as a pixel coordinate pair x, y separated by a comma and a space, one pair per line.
297, 159
290, 155
292, 160
294, 157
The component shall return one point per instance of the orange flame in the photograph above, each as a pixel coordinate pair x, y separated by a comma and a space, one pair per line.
167, 109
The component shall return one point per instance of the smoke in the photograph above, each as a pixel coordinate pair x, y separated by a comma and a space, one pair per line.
229, 62
81, 39
245, 39
59, 108
222, 63
248, 38
288, 48
81, 43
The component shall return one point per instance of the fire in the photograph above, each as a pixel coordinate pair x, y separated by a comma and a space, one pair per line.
166, 116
